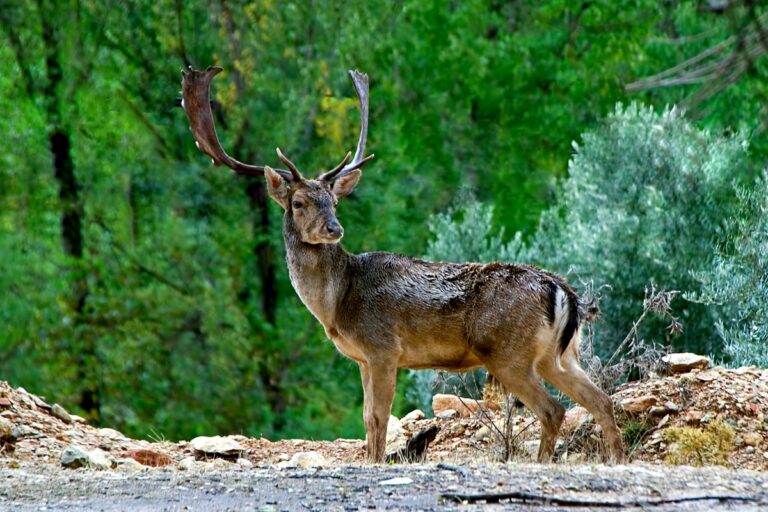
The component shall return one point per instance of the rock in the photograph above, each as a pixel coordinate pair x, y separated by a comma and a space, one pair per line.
684, 362
708, 376
752, 438
187, 464
244, 463
61, 413
219, 463
447, 414
78, 419
414, 415
693, 416
307, 460
6, 430
395, 435
111, 433
401, 480
636, 405
5, 402
456, 429
707, 418
128, 466
464, 407
152, 458
75, 457
575, 418
483, 433
217, 445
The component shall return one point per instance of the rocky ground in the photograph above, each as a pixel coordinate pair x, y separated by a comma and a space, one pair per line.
695, 415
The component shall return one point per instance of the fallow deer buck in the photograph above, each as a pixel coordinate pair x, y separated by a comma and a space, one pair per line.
387, 311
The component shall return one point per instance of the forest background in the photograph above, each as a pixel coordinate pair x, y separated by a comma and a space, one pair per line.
146, 290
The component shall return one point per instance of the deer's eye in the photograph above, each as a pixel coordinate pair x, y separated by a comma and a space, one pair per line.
297, 205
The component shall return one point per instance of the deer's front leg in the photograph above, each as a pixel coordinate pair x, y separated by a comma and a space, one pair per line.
378, 392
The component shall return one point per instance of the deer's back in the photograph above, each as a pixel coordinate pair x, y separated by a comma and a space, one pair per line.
437, 314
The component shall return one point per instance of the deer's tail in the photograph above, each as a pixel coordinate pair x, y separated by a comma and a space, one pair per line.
567, 313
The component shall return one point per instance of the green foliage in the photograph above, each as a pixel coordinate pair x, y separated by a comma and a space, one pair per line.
180, 260
700, 446
736, 285
645, 200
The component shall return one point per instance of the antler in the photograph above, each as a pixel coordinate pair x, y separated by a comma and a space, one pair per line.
360, 80
195, 92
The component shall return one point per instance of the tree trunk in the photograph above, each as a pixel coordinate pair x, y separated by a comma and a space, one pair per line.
71, 212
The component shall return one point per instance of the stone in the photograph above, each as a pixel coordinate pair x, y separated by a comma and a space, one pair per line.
128, 466
684, 362
414, 415
447, 414
637, 405
217, 445
752, 438
187, 464
61, 413
244, 463
78, 419
456, 429
401, 480
483, 433
221, 464
307, 460
5, 402
693, 416
708, 376
152, 458
74, 457
574, 418
396, 439
111, 433
464, 407
6, 430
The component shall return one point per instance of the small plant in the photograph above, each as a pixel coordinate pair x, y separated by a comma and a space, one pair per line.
635, 431
698, 447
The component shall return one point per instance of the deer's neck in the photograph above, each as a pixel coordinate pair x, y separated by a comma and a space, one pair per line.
317, 272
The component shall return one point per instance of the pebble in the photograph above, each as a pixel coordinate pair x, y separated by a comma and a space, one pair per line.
414, 415
447, 414
307, 460
61, 413
401, 480
187, 464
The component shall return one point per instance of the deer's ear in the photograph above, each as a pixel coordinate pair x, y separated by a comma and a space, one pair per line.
346, 184
277, 187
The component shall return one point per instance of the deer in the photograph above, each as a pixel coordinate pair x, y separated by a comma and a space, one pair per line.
386, 311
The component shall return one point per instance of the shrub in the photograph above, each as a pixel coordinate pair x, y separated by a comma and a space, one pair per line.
645, 199
737, 283
699, 447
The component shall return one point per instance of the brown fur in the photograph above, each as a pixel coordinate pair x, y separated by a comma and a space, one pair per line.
386, 311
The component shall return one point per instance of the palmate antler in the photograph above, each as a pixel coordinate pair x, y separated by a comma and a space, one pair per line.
195, 91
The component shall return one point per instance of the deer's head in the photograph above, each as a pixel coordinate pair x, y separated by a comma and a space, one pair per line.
311, 203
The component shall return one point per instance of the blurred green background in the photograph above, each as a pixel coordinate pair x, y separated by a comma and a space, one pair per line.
146, 290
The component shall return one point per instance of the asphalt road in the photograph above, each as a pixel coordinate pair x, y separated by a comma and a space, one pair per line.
349, 488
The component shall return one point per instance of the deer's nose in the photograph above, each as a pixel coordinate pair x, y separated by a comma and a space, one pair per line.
334, 228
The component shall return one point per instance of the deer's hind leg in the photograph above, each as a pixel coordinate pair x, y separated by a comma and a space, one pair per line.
525, 384
574, 382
